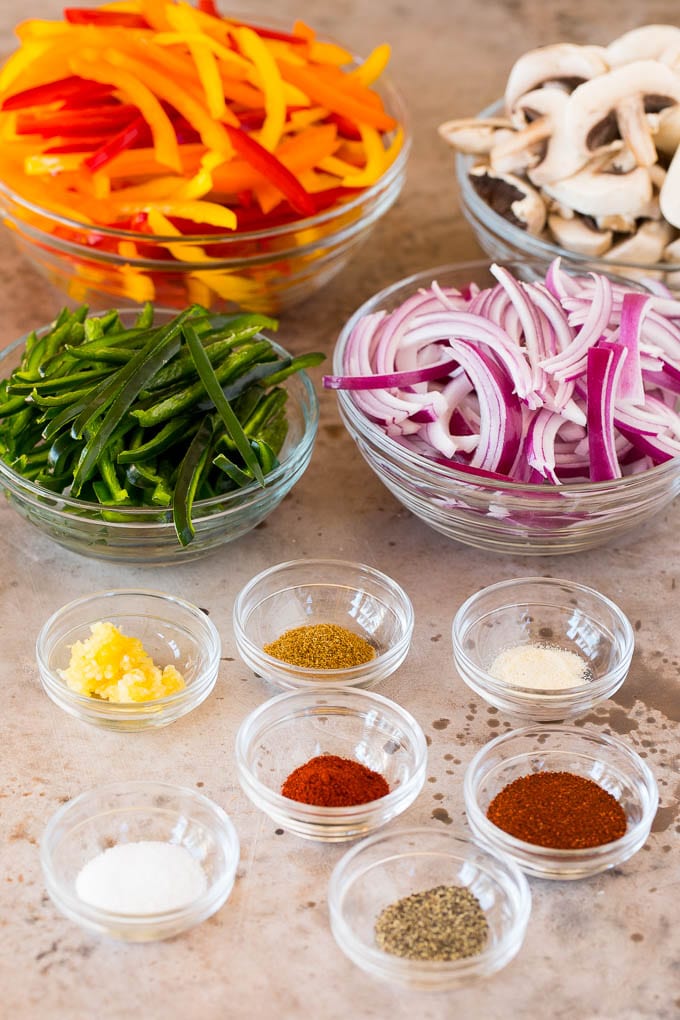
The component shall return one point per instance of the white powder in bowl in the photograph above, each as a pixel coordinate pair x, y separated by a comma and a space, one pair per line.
146, 877
540, 667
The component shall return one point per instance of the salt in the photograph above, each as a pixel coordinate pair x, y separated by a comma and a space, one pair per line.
540, 667
145, 877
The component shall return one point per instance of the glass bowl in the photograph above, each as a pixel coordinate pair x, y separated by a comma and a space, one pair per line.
133, 812
172, 631
308, 592
503, 241
604, 759
384, 868
265, 270
498, 516
550, 612
296, 726
147, 536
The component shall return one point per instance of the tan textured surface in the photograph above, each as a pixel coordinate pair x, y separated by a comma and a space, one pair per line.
607, 948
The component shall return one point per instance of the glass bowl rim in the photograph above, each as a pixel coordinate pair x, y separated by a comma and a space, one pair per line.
221, 827
316, 812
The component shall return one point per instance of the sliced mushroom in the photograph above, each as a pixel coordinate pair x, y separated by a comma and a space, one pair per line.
671, 252
539, 146
594, 193
577, 234
475, 136
617, 104
667, 137
617, 223
510, 197
646, 245
651, 42
669, 196
565, 63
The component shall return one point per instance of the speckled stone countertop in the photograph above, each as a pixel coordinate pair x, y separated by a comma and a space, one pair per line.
606, 948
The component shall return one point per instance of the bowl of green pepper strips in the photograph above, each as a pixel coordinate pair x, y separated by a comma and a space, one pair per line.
149, 436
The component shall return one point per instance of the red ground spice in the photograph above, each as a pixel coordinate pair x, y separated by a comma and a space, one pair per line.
331, 781
559, 810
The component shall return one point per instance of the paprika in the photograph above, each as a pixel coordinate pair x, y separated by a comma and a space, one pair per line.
560, 810
331, 781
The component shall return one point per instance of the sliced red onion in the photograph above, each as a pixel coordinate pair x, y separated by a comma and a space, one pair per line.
605, 362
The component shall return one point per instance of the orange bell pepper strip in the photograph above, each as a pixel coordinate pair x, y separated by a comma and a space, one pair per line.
326, 94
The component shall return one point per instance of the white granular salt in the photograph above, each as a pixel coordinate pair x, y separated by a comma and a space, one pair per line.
146, 877
540, 667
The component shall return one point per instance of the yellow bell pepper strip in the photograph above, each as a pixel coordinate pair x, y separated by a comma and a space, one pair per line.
252, 46
370, 69
327, 95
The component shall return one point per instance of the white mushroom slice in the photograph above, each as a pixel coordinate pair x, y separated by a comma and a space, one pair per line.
593, 193
619, 224
540, 146
577, 235
669, 196
521, 150
475, 137
651, 42
511, 197
667, 137
617, 103
646, 245
671, 252
562, 62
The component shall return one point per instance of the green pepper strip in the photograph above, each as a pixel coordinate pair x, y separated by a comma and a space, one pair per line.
188, 478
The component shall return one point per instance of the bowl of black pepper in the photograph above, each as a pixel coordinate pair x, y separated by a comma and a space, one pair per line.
428, 909
333, 764
321, 622
563, 802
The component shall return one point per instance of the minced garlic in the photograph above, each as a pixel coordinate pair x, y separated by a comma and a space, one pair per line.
114, 667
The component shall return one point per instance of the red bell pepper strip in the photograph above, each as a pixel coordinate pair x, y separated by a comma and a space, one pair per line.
88, 16
56, 91
272, 168
136, 131
76, 122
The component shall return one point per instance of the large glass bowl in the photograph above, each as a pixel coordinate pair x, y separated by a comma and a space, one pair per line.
497, 516
503, 241
148, 535
263, 270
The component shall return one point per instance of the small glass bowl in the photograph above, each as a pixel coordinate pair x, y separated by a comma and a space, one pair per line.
173, 632
547, 611
605, 759
306, 592
293, 727
131, 812
383, 869
503, 240
494, 515
146, 536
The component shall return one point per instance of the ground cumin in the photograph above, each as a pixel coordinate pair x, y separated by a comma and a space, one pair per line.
321, 646
331, 781
560, 810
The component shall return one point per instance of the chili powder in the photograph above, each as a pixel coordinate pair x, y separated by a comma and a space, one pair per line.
559, 810
331, 781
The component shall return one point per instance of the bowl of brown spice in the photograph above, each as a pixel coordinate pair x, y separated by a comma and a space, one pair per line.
427, 908
305, 623
333, 764
563, 802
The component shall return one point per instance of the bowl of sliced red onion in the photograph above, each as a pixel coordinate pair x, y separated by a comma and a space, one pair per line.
517, 410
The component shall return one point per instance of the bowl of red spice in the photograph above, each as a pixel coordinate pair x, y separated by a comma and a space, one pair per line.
428, 908
333, 764
313, 622
563, 802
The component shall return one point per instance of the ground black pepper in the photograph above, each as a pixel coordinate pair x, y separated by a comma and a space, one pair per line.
443, 923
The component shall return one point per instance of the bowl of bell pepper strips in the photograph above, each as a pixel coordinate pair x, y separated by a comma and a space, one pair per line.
159, 151
152, 437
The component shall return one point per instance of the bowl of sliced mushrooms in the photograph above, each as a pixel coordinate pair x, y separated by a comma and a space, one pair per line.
579, 159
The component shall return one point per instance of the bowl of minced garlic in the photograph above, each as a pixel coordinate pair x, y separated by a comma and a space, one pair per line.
128, 659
